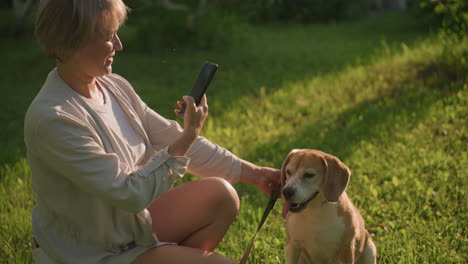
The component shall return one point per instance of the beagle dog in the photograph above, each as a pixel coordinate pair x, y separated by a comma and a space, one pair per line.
322, 224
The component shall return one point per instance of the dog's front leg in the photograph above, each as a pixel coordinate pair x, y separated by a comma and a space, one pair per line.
347, 251
292, 254
297, 255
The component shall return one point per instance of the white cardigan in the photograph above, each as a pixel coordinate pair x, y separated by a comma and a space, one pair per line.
90, 202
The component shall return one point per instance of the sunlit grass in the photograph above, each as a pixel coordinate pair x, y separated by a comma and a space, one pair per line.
399, 123
389, 100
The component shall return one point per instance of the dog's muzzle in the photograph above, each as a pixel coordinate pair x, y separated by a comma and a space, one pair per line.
294, 207
297, 207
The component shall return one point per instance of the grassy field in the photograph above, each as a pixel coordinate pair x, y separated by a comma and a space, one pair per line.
385, 96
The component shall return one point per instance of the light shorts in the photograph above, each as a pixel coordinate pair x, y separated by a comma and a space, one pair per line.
40, 257
159, 243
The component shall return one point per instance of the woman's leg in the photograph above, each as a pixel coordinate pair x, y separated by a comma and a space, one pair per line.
196, 216
180, 254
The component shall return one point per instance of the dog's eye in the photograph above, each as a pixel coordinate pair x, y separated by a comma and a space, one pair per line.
288, 172
308, 175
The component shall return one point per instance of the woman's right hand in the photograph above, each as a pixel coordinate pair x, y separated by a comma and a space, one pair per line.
194, 119
195, 116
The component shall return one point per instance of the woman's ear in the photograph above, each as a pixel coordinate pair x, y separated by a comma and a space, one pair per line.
337, 178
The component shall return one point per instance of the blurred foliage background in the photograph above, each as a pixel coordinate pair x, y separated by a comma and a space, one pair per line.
212, 23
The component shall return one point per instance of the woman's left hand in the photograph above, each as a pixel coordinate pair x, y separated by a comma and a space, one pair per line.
265, 178
269, 179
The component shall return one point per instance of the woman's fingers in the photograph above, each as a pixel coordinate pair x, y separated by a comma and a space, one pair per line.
204, 103
189, 102
194, 116
271, 181
180, 104
177, 112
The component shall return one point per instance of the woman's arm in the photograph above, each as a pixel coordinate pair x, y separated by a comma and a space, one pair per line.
207, 159
194, 119
265, 178
65, 146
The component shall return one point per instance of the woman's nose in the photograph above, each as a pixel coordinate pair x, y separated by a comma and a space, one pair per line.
117, 43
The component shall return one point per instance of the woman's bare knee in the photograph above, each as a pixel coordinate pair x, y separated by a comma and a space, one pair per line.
225, 193
223, 208
211, 204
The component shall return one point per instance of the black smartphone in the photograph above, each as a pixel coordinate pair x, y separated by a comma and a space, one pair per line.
201, 83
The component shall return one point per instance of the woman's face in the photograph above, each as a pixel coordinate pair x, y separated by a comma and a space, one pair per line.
96, 57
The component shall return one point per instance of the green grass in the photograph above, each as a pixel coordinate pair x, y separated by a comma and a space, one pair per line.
386, 97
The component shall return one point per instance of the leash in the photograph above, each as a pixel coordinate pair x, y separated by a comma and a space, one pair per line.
271, 203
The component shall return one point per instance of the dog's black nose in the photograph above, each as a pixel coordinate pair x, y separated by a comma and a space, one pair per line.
288, 192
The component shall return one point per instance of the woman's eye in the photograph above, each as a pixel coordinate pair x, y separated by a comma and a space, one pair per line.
309, 175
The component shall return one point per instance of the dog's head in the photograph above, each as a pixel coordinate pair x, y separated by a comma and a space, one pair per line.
307, 172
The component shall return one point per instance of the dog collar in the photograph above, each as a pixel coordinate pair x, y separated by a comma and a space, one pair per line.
296, 208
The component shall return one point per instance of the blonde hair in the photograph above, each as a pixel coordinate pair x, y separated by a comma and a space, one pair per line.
65, 26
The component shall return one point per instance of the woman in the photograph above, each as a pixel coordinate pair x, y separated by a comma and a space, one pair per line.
103, 163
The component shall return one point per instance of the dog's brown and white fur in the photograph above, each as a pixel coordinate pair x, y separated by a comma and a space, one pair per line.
322, 224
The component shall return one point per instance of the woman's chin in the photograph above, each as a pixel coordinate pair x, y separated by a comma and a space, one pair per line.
107, 70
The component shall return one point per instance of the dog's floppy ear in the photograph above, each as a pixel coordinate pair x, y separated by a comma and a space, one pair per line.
283, 168
337, 178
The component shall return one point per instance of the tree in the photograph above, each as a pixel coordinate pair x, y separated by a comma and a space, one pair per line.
193, 13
